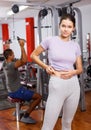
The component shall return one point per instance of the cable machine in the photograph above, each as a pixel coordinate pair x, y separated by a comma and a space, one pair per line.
43, 77
80, 41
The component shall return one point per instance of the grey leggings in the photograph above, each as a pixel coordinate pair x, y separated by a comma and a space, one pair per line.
62, 94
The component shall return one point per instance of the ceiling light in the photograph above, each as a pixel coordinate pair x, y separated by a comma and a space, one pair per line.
10, 13
23, 8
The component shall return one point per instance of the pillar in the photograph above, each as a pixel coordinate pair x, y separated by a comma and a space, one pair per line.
30, 37
5, 35
5, 32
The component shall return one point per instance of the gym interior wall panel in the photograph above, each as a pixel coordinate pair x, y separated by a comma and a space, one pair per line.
20, 30
30, 36
86, 23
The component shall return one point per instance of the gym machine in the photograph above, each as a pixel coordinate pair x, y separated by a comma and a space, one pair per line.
3, 90
87, 65
80, 41
43, 77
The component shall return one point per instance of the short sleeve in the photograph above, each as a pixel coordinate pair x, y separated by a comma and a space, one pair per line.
78, 50
45, 43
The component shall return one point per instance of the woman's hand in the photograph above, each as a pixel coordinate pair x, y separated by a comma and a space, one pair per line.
67, 74
50, 70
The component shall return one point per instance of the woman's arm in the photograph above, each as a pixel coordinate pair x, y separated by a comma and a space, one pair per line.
35, 56
79, 68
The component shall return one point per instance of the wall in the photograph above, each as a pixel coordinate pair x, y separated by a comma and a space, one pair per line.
86, 22
17, 29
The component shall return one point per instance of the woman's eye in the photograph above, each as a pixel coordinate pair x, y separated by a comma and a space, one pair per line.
63, 26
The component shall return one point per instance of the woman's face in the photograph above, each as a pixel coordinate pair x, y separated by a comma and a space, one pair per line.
66, 28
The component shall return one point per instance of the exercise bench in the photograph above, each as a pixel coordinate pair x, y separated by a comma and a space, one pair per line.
17, 102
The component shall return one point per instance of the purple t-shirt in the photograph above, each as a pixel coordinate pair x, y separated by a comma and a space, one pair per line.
61, 55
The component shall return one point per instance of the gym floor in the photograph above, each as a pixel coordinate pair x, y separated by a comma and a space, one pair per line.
82, 120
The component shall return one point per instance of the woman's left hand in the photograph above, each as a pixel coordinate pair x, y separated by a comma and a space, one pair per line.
67, 74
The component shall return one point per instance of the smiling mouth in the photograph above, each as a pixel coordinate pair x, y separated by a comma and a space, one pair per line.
65, 34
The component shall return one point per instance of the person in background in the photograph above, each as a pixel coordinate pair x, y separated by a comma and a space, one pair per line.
14, 87
64, 88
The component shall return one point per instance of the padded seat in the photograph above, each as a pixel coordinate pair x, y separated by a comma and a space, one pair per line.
17, 102
13, 100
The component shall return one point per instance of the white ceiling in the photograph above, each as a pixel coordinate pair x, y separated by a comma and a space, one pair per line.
34, 7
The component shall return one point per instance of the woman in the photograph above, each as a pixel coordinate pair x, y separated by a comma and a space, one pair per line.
64, 89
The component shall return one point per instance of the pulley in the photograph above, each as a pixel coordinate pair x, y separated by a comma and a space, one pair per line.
15, 8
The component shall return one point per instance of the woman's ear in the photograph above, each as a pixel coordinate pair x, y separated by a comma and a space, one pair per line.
74, 31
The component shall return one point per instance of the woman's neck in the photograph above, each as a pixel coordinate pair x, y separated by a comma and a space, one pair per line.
66, 39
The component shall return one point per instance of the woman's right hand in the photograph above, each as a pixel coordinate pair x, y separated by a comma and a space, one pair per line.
50, 70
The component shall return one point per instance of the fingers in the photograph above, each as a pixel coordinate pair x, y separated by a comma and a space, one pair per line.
21, 42
20, 39
65, 76
50, 70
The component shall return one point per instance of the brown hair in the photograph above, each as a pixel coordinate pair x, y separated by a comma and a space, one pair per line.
68, 16
7, 52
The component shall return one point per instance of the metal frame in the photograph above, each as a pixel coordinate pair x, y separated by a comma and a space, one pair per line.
40, 77
80, 41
